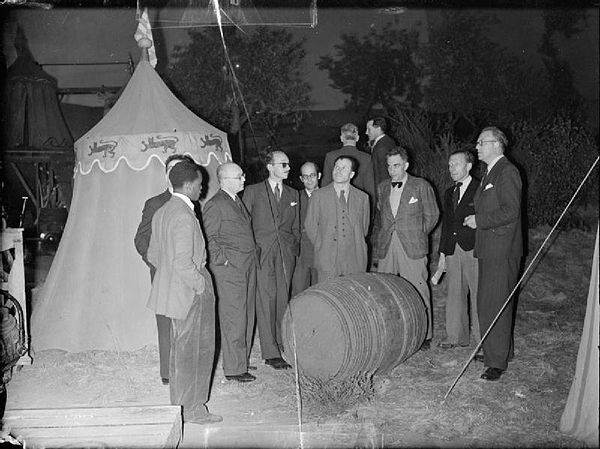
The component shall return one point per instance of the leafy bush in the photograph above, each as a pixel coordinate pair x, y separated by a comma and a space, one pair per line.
555, 156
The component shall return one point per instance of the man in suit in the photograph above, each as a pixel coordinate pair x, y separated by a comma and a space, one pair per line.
232, 255
498, 248
364, 178
274, 209
337, 222
305, 274
141, 241
380, 144
456, 253
182, 290
406, 213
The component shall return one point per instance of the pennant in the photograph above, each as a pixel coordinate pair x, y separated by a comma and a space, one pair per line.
145, 30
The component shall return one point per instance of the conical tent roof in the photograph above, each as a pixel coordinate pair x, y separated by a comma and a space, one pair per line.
96, 291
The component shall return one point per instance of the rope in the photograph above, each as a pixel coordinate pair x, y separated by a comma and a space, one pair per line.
521, 279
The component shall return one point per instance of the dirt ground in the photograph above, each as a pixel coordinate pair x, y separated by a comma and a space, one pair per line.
406, 409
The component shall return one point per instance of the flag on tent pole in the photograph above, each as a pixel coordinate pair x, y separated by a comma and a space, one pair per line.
145, 30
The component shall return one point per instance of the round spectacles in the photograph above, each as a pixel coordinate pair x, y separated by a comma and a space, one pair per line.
481, 142
309, 176
283, 164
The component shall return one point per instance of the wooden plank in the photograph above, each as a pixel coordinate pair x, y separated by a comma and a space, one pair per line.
136, 426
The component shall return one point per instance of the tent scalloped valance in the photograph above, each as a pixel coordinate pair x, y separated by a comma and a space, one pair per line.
138, 150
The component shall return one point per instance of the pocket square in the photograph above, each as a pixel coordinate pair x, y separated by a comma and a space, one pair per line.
293, 203
489, 186
412, 200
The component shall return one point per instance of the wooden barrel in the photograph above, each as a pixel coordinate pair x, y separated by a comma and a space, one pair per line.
351, 325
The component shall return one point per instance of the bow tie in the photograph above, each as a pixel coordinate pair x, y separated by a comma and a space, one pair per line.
397, 184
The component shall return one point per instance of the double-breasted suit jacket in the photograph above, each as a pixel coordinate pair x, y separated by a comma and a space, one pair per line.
416, 217
233, 257
177, 250
321, 222
453, 230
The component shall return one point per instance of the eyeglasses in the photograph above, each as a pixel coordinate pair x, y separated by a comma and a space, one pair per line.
481, 142
309, 176
239, 178
283, 164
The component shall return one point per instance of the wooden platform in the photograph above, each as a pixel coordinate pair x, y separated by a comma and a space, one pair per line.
140, 426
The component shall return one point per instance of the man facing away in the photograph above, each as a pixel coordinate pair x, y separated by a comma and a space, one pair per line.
141, 241
233, 258
380, 143
364, 178
305, 274
498, 248
274, 209
182, 291
337, 223
406, 213
456, 253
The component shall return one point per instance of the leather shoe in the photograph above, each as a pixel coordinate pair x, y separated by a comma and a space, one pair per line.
449, 345
426, 346
244, 377
208, 418
278, 363
492, 374
164, 380
479, 358
252, 367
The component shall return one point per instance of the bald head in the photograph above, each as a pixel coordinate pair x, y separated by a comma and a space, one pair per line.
231, 177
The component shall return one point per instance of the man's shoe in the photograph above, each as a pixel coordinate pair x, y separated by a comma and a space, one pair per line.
164, 380
245, 377
426, 346
207, 418
252, 367
278, 363
479, 358
492, 374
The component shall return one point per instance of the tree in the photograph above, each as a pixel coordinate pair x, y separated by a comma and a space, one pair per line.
470, 75
378, 68
565, 22
267, 88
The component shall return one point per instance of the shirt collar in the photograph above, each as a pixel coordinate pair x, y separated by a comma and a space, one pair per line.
275, 183
465, 182
310, 193
377, 139
185, 199
232, 195
338, 189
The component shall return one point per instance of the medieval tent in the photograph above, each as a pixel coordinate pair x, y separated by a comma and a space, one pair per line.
95, 293
580, 417
36, 145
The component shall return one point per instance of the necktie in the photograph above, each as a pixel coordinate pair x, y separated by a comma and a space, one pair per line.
342, 198
277, 193
397, 184
456, 193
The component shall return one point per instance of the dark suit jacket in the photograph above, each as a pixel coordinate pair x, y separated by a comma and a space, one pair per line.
363, 179
453, 230
379, 158
306, 246
144, 230
498, 213
270, 219
417, 215
229, 232
321, 223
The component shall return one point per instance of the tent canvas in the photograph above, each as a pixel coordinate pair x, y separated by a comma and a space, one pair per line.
96, 290
580, 417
